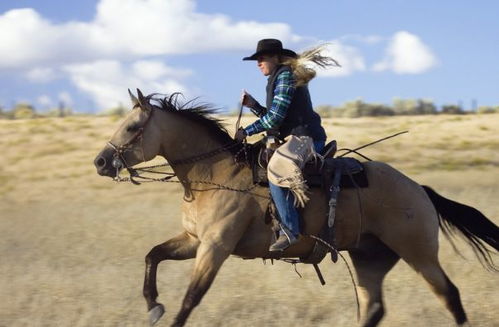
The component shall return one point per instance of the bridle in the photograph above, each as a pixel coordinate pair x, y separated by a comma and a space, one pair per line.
119, 161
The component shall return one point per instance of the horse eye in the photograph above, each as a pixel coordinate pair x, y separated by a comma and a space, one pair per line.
132, 128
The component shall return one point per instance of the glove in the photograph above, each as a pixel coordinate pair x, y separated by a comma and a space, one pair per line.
240, 135
247, 100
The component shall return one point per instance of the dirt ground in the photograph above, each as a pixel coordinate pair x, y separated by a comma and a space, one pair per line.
73, 243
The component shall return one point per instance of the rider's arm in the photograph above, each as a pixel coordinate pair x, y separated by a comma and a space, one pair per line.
283, 94
259, 110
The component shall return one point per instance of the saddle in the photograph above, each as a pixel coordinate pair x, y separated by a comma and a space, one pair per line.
330, 174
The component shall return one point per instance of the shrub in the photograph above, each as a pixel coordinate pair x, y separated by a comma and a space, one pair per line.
327, 111
119, 111
23, 111
488, 110
452, 109
413, 107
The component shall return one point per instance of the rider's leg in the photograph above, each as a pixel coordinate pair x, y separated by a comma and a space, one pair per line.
284, 201
288, 214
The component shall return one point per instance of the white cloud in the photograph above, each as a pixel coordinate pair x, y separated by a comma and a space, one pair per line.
150, 69
44, 100
106, 81
41, 75
91, 54
109, 54
407, 54
350, 59
126, 29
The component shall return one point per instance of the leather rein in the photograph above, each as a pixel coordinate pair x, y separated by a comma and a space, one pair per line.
119, 162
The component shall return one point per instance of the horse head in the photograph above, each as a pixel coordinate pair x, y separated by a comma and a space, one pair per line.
133, 142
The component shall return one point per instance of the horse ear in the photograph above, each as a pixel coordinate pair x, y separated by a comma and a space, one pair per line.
139, 94
144, 105
134, 99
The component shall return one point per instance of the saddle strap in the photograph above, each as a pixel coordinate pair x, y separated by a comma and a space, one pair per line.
319, 274
334, 190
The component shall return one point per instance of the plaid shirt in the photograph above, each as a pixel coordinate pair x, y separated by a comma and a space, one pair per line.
283, 93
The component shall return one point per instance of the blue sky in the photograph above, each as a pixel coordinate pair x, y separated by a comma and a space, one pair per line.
87, 53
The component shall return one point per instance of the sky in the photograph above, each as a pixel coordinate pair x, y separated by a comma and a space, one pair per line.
87, 53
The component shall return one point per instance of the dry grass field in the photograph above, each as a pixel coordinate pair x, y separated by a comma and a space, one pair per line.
73, 243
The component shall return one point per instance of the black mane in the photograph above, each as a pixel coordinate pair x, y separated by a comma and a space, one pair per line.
200, 113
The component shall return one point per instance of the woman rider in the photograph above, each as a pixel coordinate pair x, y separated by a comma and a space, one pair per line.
288, 111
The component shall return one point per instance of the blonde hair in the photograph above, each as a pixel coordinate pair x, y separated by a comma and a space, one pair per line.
301, 65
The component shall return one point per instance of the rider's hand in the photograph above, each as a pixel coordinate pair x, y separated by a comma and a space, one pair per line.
247, 100
240, 135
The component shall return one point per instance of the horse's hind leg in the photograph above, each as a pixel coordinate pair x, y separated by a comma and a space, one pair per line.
443, 288
372, 261
181, 247
416, 241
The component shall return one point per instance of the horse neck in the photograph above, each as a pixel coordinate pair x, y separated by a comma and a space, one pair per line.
183, 139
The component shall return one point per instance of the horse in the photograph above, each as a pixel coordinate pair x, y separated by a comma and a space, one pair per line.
223, 210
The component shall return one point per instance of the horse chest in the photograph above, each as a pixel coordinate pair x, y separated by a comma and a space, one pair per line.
189, 218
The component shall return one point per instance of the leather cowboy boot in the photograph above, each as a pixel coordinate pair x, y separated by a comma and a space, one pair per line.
285, 240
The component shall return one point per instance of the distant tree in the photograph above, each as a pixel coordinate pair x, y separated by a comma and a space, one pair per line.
58, 112
403, 106
353, 108
452, 109
488, 109
413, 107
426, 107
359, 108
23, 111
61, 109
327, 111
376, 109
118, 111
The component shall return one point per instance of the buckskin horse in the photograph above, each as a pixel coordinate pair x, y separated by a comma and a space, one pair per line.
393, 218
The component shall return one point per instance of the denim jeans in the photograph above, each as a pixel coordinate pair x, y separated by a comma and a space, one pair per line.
284, 201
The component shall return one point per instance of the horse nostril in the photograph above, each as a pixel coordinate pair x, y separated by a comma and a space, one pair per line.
100, 162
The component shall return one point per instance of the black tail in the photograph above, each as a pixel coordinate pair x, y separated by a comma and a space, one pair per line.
474, 226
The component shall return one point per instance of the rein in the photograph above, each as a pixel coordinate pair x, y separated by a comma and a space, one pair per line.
119, 162
135, 172
239, 116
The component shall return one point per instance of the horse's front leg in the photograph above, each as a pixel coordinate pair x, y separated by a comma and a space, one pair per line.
209, 258
181, 247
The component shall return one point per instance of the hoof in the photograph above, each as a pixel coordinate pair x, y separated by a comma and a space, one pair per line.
156, 313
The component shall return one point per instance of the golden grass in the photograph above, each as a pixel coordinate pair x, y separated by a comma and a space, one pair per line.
73, 243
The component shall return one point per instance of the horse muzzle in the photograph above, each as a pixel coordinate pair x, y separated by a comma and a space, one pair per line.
107, 164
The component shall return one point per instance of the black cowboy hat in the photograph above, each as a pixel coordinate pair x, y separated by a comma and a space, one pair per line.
270, 46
